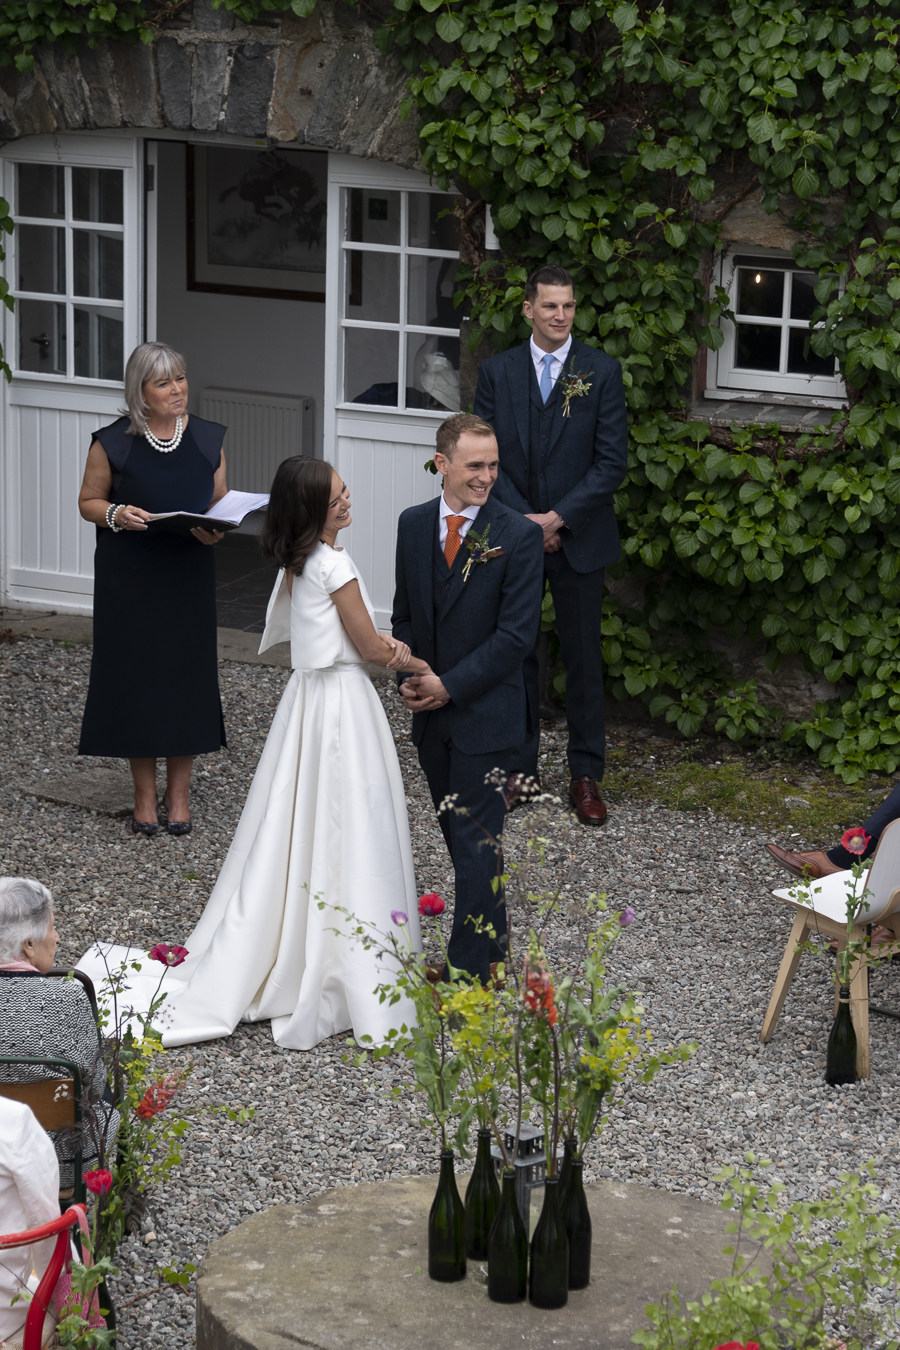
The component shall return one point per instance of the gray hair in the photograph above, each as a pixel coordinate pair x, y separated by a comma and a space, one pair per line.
26, 908
150, 361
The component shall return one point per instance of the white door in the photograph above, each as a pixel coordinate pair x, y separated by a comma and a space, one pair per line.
73, 266
392, 348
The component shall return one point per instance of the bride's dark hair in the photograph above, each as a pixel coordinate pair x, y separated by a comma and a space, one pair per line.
297, 511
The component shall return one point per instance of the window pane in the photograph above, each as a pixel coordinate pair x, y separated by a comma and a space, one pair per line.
760, 293
432, 282
802, 360
98, 343
758, 346
432, 373
373, 217
429, 226
370, 366
41, 255
42, 191
97, 263
803, 302
97, 195
42, 336
372, 286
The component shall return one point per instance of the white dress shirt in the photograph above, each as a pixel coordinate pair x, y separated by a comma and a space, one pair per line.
29, 1197
470, 512
560, 356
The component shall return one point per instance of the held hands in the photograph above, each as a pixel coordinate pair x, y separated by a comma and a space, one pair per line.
424, 693
401, 653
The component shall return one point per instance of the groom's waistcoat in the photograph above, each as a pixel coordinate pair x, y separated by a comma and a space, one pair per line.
441, 577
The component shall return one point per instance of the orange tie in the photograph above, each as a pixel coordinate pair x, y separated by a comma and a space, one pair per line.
451, 547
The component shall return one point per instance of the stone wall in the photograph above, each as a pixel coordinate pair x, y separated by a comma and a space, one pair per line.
318, 82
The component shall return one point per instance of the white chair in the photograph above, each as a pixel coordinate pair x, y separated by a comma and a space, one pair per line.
827, 914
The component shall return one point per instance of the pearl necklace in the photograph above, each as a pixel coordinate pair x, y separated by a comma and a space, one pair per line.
173, 443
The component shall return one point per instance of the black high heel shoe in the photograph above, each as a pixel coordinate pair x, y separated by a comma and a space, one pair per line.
148, 828
176, 827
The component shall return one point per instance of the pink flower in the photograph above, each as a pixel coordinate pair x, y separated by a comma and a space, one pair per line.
430, 906
738, 1345
399, 918
98, 1181
626, 917
856, 840
166, 953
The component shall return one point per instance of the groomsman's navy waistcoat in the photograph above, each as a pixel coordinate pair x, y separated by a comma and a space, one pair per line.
540, 422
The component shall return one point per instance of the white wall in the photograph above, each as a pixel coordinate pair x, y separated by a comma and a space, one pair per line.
231, 341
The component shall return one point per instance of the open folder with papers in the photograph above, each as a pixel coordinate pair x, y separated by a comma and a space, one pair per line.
227, 514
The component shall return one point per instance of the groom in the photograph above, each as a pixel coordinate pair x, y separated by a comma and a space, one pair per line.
468, 601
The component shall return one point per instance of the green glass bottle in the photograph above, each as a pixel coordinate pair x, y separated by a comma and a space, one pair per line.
840, 1056
447, 1227
482, 1200
565, 1172
577, 1219
508, 1248
548, 1278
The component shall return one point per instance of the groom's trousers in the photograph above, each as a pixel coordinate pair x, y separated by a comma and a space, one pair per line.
472, 827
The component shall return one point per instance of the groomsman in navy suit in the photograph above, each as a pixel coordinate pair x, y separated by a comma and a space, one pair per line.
558, 408
467, 601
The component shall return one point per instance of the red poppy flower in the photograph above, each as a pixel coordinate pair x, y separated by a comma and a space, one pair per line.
738, 1345
856, 840
98, 1181
430, 906
168, 954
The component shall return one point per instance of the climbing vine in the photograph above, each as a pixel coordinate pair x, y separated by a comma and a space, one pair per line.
613, 138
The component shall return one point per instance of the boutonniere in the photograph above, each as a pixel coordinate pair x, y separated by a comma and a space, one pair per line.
479, 550
573, 386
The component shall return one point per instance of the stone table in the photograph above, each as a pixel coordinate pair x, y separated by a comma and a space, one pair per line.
348, 1271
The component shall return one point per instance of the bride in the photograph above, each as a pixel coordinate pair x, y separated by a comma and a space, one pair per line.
324, 830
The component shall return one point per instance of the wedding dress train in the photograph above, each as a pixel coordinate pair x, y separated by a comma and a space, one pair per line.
322, 844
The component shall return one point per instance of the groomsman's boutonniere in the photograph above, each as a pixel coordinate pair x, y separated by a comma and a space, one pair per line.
479, 550
573, 386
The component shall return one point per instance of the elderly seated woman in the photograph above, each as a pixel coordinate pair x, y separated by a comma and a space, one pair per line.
50, 1018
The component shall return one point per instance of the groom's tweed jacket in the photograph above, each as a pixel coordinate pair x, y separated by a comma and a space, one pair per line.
474, 634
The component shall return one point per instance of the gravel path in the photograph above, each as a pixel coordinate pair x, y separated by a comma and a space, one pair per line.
705, 950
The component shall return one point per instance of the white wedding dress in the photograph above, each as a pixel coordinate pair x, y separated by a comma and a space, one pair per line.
324, 830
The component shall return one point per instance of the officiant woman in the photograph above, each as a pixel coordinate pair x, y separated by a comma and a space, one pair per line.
154, 686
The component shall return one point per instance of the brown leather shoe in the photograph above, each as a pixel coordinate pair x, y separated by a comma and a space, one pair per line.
804, 865
434, 974
590, 808
520, 787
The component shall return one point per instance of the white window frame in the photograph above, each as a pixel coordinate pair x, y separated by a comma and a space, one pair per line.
725, 381
72, 152
346, 173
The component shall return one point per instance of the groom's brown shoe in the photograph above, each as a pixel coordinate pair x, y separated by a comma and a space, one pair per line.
590, 808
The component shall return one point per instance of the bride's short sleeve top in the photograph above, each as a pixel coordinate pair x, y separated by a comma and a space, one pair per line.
318, 638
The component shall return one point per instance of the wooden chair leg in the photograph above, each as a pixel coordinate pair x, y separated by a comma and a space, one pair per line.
859, 1009
786, 972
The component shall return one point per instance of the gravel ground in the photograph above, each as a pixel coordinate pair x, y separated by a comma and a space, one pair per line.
705, 951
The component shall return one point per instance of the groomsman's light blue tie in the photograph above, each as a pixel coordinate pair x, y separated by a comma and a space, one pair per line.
546, 377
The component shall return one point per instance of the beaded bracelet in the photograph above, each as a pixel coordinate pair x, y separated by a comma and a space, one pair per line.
111, 518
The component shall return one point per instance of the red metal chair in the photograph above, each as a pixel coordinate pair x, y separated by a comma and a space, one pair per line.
39, 1307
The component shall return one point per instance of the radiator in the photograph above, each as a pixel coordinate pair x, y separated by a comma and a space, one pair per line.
263, 429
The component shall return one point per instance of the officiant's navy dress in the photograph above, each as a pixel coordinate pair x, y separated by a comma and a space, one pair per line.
154, 686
